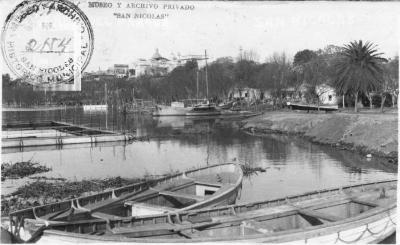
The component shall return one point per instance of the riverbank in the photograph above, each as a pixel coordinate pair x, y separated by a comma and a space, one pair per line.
371, 133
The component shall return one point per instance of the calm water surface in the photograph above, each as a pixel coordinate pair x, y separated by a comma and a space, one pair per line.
292, 164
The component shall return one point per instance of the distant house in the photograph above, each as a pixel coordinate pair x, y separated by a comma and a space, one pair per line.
247, 94
157, 65
290, 94
327, 94
121, 70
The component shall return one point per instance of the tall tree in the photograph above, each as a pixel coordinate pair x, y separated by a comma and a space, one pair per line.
390, 84
358, 69
276, 76
303, 57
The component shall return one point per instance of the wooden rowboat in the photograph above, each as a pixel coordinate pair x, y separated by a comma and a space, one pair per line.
326, 108
209, 186
362, 213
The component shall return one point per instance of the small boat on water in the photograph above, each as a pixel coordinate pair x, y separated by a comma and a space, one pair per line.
210, 186
204, 109
361, 213
177, 108
95, 107
226, 105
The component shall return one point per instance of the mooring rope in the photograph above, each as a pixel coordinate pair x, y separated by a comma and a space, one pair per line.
390, 218
362, 234
353, 241
376, 233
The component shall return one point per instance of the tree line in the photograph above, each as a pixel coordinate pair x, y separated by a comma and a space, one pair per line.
357, 71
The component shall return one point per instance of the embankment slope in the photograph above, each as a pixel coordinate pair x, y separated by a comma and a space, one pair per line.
366, 133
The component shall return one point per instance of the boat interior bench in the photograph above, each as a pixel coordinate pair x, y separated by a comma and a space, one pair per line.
316, 218
105, 216
175, 185
162, 228
142, 229
104, 203
140, 209
182, 195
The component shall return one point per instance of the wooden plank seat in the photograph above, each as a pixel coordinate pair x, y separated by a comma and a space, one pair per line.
200, 219
132, 196
213, 184
144, 205
223, 188
161, 228
364, 202
182, 195
255, 226
318, 215
175, 184
142, 229
105, 216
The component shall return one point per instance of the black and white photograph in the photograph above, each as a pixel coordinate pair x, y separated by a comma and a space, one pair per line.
133, 121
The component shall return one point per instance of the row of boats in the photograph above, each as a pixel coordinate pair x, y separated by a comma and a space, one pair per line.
179, 108
198, 205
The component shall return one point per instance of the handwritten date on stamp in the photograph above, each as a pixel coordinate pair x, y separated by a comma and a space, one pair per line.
50, 45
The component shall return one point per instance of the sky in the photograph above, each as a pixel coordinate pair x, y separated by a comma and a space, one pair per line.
222, 28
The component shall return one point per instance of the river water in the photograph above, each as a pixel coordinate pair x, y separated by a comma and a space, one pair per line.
293, 165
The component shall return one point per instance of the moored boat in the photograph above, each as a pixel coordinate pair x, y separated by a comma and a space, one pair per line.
95, 107
225, 105
204, 109
326, 108
362, 213
177, 108
209, 186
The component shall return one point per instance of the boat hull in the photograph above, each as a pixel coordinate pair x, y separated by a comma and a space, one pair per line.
203, 113
200, 180
312, 107
95, 107
372, 229
170, 111
361, 225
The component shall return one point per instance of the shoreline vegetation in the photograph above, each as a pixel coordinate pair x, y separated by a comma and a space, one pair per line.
49, 190
21, 169
370, 134
44, 190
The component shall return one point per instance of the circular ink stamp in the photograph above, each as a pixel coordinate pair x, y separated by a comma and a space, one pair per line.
47, 42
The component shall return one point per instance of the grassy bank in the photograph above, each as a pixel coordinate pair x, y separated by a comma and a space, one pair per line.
371, 133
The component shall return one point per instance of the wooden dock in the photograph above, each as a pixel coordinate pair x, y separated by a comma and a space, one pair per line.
48, 133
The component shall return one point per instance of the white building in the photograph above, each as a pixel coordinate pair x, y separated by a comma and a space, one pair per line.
157, 65
327, 94
121, 70
247, 94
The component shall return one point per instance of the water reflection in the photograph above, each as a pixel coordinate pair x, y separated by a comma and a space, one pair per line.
177, 143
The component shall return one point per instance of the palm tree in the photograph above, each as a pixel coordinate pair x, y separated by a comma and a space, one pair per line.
358, 69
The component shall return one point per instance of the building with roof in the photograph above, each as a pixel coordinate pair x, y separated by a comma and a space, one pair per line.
157, 65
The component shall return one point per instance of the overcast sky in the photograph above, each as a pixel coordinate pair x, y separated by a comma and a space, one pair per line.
223, 27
